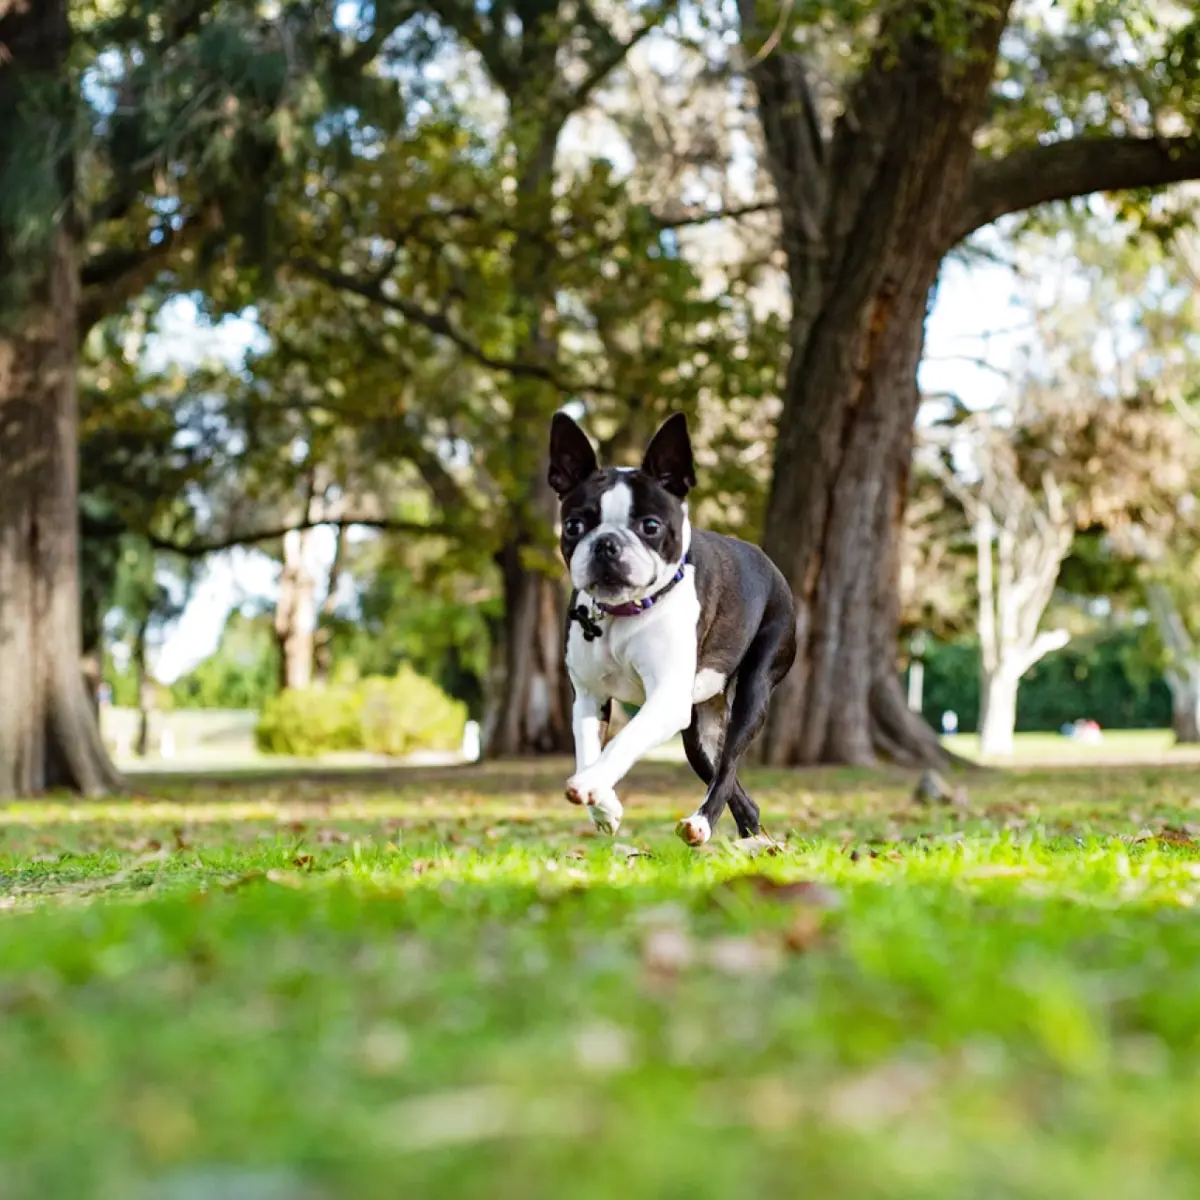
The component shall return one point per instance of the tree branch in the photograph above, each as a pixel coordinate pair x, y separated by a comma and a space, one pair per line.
1043, 644
796, 149
439, 323
109, 279
706, 216
608, 61
99, 530
1074, 167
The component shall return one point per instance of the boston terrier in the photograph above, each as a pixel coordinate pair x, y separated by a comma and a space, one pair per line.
694, 627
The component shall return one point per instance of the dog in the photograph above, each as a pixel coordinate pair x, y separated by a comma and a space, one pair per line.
694, 627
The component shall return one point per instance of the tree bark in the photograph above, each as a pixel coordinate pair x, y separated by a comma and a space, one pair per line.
296, 613
997, 713
323, 638
49, 736
529, 700
141, 745
867, 219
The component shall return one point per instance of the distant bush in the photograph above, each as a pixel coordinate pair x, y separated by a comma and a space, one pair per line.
396, 716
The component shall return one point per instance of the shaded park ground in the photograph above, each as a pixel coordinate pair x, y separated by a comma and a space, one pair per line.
440, 983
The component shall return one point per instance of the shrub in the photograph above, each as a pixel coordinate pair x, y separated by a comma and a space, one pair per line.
407, 713
394, 716
310, 721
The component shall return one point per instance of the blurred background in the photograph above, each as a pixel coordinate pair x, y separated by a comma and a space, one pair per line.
340, 261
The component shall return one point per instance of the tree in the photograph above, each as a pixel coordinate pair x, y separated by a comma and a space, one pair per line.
939, 119
1022, 535
48, 732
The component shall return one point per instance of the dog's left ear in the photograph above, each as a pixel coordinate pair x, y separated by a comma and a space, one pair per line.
669, 457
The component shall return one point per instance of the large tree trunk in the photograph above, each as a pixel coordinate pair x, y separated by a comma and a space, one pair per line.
49, 735
867, 219
997, 713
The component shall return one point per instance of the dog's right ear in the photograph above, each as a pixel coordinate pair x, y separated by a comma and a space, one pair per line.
572, 458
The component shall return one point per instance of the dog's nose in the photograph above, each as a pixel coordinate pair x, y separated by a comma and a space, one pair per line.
607, 547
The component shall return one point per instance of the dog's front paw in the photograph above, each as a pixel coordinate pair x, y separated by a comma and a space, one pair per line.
695, 830
601, 800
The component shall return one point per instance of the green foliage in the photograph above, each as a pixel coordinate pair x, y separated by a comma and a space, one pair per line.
243, 672
396, 716
311, 721
408, 713
1106, 679
420, 613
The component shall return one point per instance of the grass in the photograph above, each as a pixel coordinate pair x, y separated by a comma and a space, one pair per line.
440, 984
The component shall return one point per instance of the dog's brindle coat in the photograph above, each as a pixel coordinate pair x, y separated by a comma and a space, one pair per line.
705, 653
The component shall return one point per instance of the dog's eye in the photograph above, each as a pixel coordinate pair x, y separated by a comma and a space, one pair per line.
651, 526
573, 527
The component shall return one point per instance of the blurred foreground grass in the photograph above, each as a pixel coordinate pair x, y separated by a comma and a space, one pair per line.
441, 984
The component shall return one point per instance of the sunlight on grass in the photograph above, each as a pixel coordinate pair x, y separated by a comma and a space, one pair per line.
444, 984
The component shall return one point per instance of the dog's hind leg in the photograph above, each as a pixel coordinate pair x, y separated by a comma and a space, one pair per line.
702, 742
767, 660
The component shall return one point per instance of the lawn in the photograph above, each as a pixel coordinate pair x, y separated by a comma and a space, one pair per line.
441, 984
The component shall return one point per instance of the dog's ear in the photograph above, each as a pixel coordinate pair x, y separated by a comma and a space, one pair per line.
669, 457
572, 458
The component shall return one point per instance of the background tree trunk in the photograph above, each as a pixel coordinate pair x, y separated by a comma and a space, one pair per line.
296, 613
529, 699
867, 218
1185, 702
1183, 670
529, 712
997, 712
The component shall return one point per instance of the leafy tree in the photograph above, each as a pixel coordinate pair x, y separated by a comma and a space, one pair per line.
892, 136
148, 138
243, 672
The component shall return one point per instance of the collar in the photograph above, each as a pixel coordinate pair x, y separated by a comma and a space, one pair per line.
631, 608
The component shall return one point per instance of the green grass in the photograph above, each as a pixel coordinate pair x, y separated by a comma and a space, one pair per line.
1118, 746
442, 985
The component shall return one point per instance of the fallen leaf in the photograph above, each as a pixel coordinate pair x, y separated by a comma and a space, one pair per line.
759, 844
603, 1048
284, 878
327, 837
743, 956
804, 933
667, 951
630, 851
303, 861
792, 891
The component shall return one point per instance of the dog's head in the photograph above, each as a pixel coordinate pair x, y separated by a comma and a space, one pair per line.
624, 531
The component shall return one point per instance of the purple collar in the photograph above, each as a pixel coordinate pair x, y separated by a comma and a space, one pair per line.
633, 607
592, 628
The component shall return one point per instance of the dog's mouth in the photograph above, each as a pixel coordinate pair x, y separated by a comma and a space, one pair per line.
607, 579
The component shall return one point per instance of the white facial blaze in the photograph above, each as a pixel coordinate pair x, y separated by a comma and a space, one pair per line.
616, 507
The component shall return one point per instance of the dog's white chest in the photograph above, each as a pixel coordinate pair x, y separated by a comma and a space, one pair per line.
655, 644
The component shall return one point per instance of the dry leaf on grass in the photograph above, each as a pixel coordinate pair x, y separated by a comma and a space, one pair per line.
759, 844
743, 956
